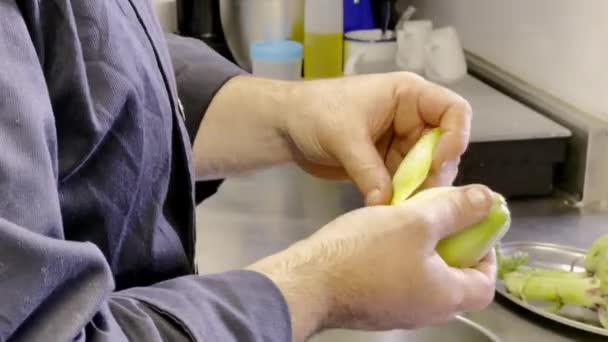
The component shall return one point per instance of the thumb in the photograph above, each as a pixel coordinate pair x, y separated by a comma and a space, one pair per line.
361, 160
451, 209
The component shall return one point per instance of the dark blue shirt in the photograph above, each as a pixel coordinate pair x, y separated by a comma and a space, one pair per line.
96, 184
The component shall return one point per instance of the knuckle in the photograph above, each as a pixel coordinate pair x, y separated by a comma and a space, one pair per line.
489, 298
455, 301
418, 224
463, 106
421, 220
486, 296
457, 205
408, 83
415, 77
462, 142
449, 318
482, 300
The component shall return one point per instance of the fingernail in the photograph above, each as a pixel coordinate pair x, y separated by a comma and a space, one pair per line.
477, 197
373, 197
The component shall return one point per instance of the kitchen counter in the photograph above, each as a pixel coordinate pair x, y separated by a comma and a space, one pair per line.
259, 214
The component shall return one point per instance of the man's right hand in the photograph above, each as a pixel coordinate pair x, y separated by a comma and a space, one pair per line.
376, 268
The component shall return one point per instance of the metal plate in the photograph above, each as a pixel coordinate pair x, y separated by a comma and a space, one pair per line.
460, 329
550, 256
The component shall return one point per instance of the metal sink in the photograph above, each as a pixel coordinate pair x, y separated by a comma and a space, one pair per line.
461, 329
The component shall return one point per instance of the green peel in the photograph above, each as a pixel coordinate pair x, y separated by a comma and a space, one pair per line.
415, 167
595, 253
509, 263
467, 247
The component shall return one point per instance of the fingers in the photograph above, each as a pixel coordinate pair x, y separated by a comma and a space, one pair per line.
488, 264
446, 211
442, 177
441, 107
477, 285
365, 166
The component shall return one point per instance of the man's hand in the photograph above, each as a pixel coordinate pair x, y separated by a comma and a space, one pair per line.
361, 127
376, 268
357, 127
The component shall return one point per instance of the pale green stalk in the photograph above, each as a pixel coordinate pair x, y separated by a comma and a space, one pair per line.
540, 272
572, 291
509, 263
415, 167
595, 253
587, 289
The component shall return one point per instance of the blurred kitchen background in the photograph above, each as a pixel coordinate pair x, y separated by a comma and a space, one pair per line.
549, 56
535, 72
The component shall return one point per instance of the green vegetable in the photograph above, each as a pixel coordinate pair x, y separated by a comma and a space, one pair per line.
511, 263
602, 271
540, 272
415, 167
467, 247
587, 289
595, 253
602, 275
573, 291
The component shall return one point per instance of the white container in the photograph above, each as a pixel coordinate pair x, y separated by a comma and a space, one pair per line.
278, 59
445, 58
411, 39
366, 51
323, 38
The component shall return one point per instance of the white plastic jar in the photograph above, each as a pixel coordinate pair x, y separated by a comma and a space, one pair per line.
278, 59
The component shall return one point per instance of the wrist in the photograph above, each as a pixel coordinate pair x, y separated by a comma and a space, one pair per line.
273, 103
271, 100
243, 128
305, 288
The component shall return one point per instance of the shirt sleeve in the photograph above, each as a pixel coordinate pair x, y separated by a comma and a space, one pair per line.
58, 290
199, 72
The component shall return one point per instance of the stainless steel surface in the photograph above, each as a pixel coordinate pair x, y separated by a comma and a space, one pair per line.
499, 117
248, 21
548, 255
256, 215
462, 329
586, 167
551, 256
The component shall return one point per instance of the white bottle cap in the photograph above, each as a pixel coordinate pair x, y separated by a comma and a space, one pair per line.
324, 16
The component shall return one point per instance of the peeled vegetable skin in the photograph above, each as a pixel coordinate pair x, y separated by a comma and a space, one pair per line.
467, 247
415, 167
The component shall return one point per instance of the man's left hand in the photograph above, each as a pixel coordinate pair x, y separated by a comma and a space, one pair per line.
361, 128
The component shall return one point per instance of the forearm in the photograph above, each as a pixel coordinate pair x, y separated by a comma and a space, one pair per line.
243, 128
305, 286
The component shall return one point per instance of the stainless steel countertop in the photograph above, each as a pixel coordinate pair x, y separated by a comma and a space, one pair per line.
259, 214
